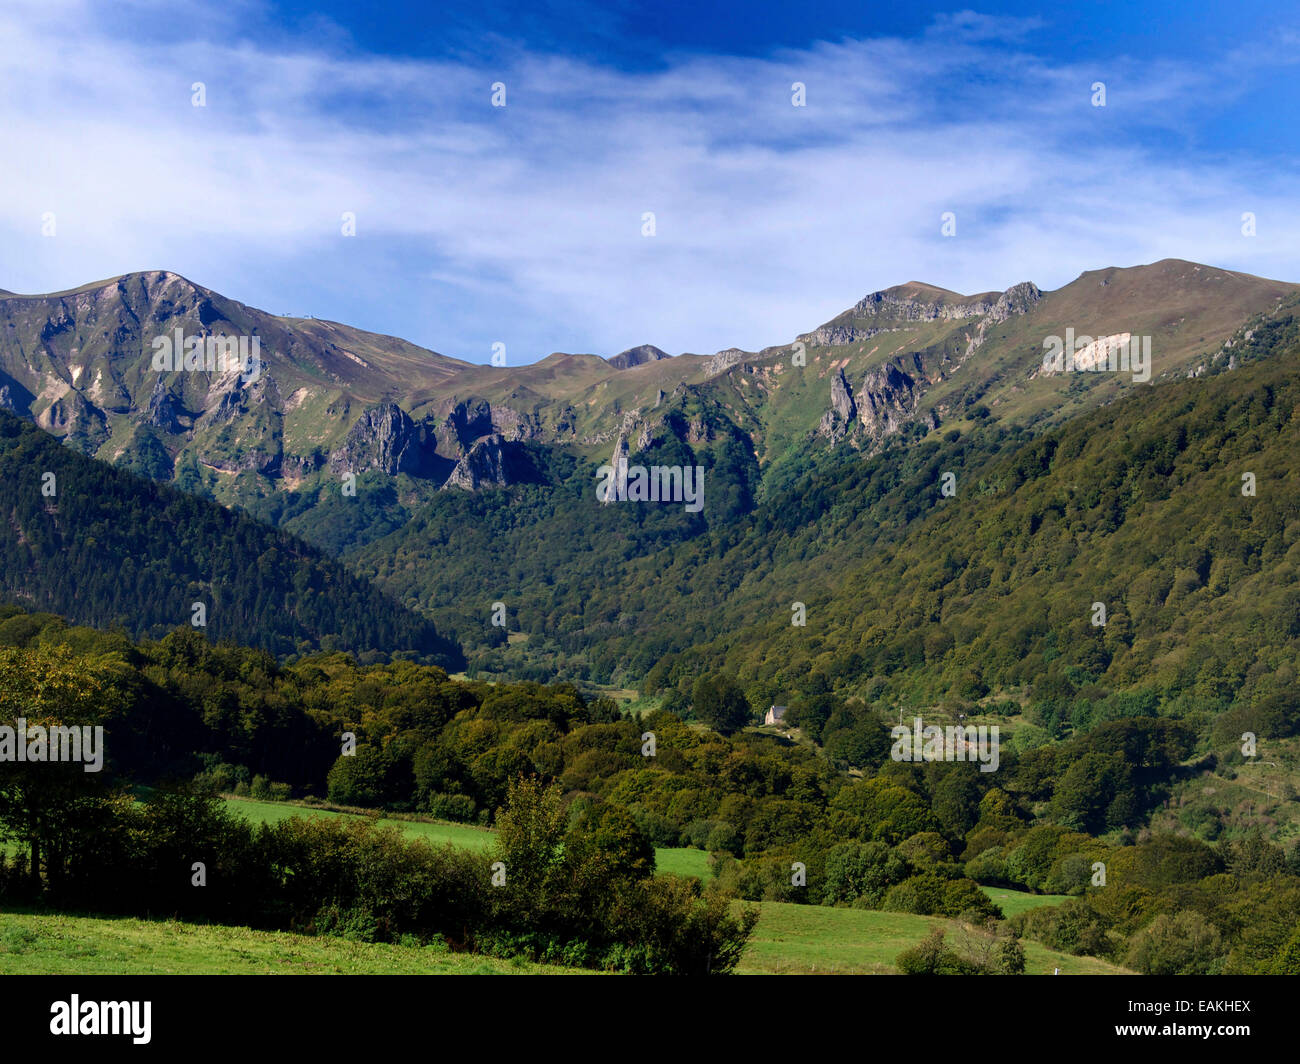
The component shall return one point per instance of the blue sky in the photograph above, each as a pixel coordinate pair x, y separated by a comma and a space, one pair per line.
524, 224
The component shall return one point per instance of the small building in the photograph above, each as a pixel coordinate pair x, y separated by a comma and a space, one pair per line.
774, 715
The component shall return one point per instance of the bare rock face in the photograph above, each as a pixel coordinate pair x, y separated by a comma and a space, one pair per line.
514, 426
838, 335
888, 398
618, 462
724, 360
838, 420
488, 464
297, 466
887, 311
165, 410
1018, 299
901, 308
387, 440
699, 430
842, 398
470, 420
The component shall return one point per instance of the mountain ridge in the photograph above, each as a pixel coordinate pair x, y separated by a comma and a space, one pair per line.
902, 359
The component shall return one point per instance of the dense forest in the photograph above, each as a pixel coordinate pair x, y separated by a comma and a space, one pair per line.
103, 546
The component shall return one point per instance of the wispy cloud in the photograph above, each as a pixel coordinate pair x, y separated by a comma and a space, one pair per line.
523, 224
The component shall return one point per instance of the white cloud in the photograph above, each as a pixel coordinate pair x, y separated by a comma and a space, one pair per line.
523, 224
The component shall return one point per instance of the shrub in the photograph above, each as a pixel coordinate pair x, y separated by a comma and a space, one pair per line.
458, 807
929, 957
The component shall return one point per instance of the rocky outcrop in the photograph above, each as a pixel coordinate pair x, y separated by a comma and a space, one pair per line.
843, 409
297, 466
165, 410
78, 420
699, 430
842, 398
637, 356
889, 396
470, 420
887, 400
514, 426
1018, 299
489, 463
385, 439
724, 360
888, 311
617, 487
902, 308
838, 335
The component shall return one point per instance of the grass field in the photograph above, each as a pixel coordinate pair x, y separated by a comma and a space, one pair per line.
53, 944
437, 832
817, 940
682, 861
789, 940
1013, 902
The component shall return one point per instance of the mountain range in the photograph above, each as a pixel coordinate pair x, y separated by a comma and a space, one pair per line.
456, 486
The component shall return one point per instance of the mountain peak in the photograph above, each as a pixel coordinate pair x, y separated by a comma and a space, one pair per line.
637, 356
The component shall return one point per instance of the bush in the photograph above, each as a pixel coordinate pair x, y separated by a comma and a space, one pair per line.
458, 807
1071, 927
1010, 958
861, 872
1182, 944
724, 838
930, 958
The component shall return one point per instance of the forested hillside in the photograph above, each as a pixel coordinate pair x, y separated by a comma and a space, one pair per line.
606, 789
104, 547
1138, 505
1175, 508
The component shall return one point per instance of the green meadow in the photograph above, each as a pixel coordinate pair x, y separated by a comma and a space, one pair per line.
1014, 902
789, 940
818, 940
55, 944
